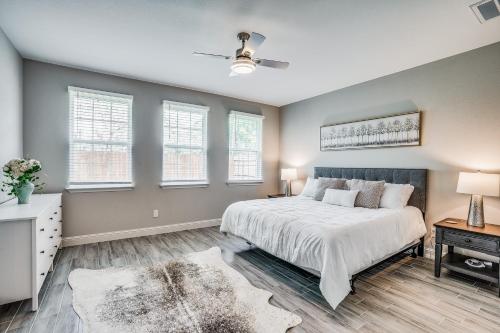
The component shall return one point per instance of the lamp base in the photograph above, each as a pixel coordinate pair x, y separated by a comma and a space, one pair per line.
288, 188
476, 211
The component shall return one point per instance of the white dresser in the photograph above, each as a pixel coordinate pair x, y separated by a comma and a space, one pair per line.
30, 236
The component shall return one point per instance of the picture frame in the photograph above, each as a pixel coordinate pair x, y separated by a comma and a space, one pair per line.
399, 130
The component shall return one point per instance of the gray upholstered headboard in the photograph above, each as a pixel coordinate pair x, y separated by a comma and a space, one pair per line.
415, 177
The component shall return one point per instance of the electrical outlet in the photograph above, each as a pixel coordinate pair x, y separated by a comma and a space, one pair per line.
156, 213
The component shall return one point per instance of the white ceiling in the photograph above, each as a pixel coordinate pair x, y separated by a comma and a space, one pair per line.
330, 44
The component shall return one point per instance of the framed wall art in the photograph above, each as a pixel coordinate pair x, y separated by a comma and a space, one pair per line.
392, 131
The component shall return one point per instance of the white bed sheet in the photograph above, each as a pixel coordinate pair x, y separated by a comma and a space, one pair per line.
336, 241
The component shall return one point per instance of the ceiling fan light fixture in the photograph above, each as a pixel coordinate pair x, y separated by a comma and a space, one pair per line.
243, 66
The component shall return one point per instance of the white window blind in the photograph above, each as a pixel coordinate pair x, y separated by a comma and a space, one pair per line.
184, 144
100, 150
245, 147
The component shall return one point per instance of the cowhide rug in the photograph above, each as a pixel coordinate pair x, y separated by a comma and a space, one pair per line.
198, 293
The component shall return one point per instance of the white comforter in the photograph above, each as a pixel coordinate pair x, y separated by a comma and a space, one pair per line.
334, 240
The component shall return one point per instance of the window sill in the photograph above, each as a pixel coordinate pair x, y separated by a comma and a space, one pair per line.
244, 182
100, 188
172, 185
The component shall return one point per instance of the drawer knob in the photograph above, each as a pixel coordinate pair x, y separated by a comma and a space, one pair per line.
42, 274
42, 252
55, 246
50, 218
55, 229
51, 237
51, 255
467, 240
55, 213
43, 229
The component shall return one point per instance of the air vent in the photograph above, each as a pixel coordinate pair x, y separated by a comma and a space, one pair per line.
486, 10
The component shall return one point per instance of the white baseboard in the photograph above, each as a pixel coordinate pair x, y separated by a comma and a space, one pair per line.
131, 233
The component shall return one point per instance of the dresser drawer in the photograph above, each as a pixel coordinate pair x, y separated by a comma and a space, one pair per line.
49, 228
54, 214
47, 236
40, 276
44, 261
470, 241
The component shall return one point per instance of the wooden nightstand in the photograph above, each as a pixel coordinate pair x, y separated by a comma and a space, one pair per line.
279, 195
485, 240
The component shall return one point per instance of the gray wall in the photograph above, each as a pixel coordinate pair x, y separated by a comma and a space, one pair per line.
11, 69
460, 101
46, 138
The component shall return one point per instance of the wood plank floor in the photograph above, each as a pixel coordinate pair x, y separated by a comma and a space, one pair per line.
400, 296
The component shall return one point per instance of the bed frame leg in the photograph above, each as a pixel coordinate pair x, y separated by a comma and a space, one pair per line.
353, 287
420, 249
414, 252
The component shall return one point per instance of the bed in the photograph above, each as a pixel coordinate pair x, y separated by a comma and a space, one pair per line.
334, 242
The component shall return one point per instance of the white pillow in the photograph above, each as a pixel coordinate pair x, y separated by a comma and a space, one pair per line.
310, 187
396, 195
344, 198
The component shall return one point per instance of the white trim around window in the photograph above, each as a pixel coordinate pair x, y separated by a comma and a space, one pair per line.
184, 145
100, 140
100, 187
245, 149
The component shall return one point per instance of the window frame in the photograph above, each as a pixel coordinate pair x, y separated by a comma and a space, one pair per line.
235, 181
186, 183
74, 186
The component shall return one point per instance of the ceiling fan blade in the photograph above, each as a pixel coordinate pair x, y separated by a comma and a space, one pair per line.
254, 42
272, 63
221, 56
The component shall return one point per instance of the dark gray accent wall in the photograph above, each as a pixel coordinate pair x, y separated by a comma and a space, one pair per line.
460, 102
11, 104
46, 138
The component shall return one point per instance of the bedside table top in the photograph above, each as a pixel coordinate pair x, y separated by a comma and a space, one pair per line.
278, 195
489, 229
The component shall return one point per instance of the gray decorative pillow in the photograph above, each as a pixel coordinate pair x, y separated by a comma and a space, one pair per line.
325, 183
369, 194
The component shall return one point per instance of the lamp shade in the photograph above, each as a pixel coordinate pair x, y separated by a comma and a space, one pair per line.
479, 183
288, 174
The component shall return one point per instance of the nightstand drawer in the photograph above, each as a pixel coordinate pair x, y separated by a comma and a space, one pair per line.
470, 241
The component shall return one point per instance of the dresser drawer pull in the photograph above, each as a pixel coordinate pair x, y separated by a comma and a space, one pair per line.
55, 229
42, 274
55, 246
60, 206
50, 218
55, 213
42, 252
51, 236
51, 255
43, 229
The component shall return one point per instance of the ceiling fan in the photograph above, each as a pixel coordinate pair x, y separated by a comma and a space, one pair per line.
243, 61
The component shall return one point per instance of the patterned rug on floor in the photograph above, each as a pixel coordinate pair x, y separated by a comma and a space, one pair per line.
199, 293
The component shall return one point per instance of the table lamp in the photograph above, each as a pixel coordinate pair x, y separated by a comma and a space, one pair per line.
478, 184
288, 175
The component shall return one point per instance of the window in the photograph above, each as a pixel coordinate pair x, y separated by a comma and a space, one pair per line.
245, 147
100, 149
184, 144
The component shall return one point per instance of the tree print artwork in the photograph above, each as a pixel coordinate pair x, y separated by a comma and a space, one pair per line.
392, 131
